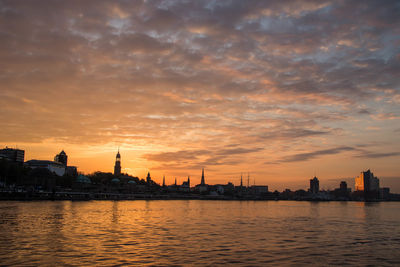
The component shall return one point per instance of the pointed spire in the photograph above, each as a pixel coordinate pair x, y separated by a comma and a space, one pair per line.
175, 181
241, 180
188, 181
163, 181
202, 177
148, 178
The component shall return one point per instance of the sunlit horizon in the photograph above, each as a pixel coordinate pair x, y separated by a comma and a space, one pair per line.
280, 91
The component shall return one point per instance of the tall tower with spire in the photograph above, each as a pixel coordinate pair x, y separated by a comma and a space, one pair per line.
163, 181
202, 177
148, 178
117, 166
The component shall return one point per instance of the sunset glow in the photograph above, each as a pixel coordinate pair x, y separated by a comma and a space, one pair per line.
280, 91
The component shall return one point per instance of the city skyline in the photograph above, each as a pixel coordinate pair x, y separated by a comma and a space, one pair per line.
60, 160
281, 91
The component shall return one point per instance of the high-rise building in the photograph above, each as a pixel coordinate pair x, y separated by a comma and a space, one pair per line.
117, 166
314, 185
367, 182
14, 155
61, 158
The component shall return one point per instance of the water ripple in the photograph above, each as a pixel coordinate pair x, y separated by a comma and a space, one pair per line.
209, 233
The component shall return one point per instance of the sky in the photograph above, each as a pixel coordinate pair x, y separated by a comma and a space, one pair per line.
282, 90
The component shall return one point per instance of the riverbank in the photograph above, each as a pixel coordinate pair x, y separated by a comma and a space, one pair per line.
85, 196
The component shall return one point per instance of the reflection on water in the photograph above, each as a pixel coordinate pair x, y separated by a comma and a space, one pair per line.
199, 232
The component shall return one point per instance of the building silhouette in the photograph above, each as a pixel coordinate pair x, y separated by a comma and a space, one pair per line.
54, 167
343, 186
185, 187
367, 182
61, 158
117, 166
314, 185
202, 187
13, 155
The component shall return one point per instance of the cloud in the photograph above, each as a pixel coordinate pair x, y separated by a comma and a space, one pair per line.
315, 154
370, 155
195, 77
385, 116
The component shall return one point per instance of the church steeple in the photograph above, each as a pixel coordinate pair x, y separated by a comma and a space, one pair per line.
163, 181
202, 177
148, 178
117, 166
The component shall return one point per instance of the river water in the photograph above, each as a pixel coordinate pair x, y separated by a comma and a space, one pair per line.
199, 232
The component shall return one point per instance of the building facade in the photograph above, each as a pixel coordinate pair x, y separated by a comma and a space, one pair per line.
14, 155
367, 182
54, 167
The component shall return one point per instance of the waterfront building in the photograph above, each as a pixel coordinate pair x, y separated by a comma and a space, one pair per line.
61, 158
384, 193
259, 189
185, 187
343, 186
71, 170
54, 167
367, 182
117, 166
13, 155
314, 185
82, 183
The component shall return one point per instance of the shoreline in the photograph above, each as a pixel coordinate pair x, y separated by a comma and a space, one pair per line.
86, 196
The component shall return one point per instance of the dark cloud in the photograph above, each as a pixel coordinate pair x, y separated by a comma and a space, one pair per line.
370, 155
315, 154
195, 159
